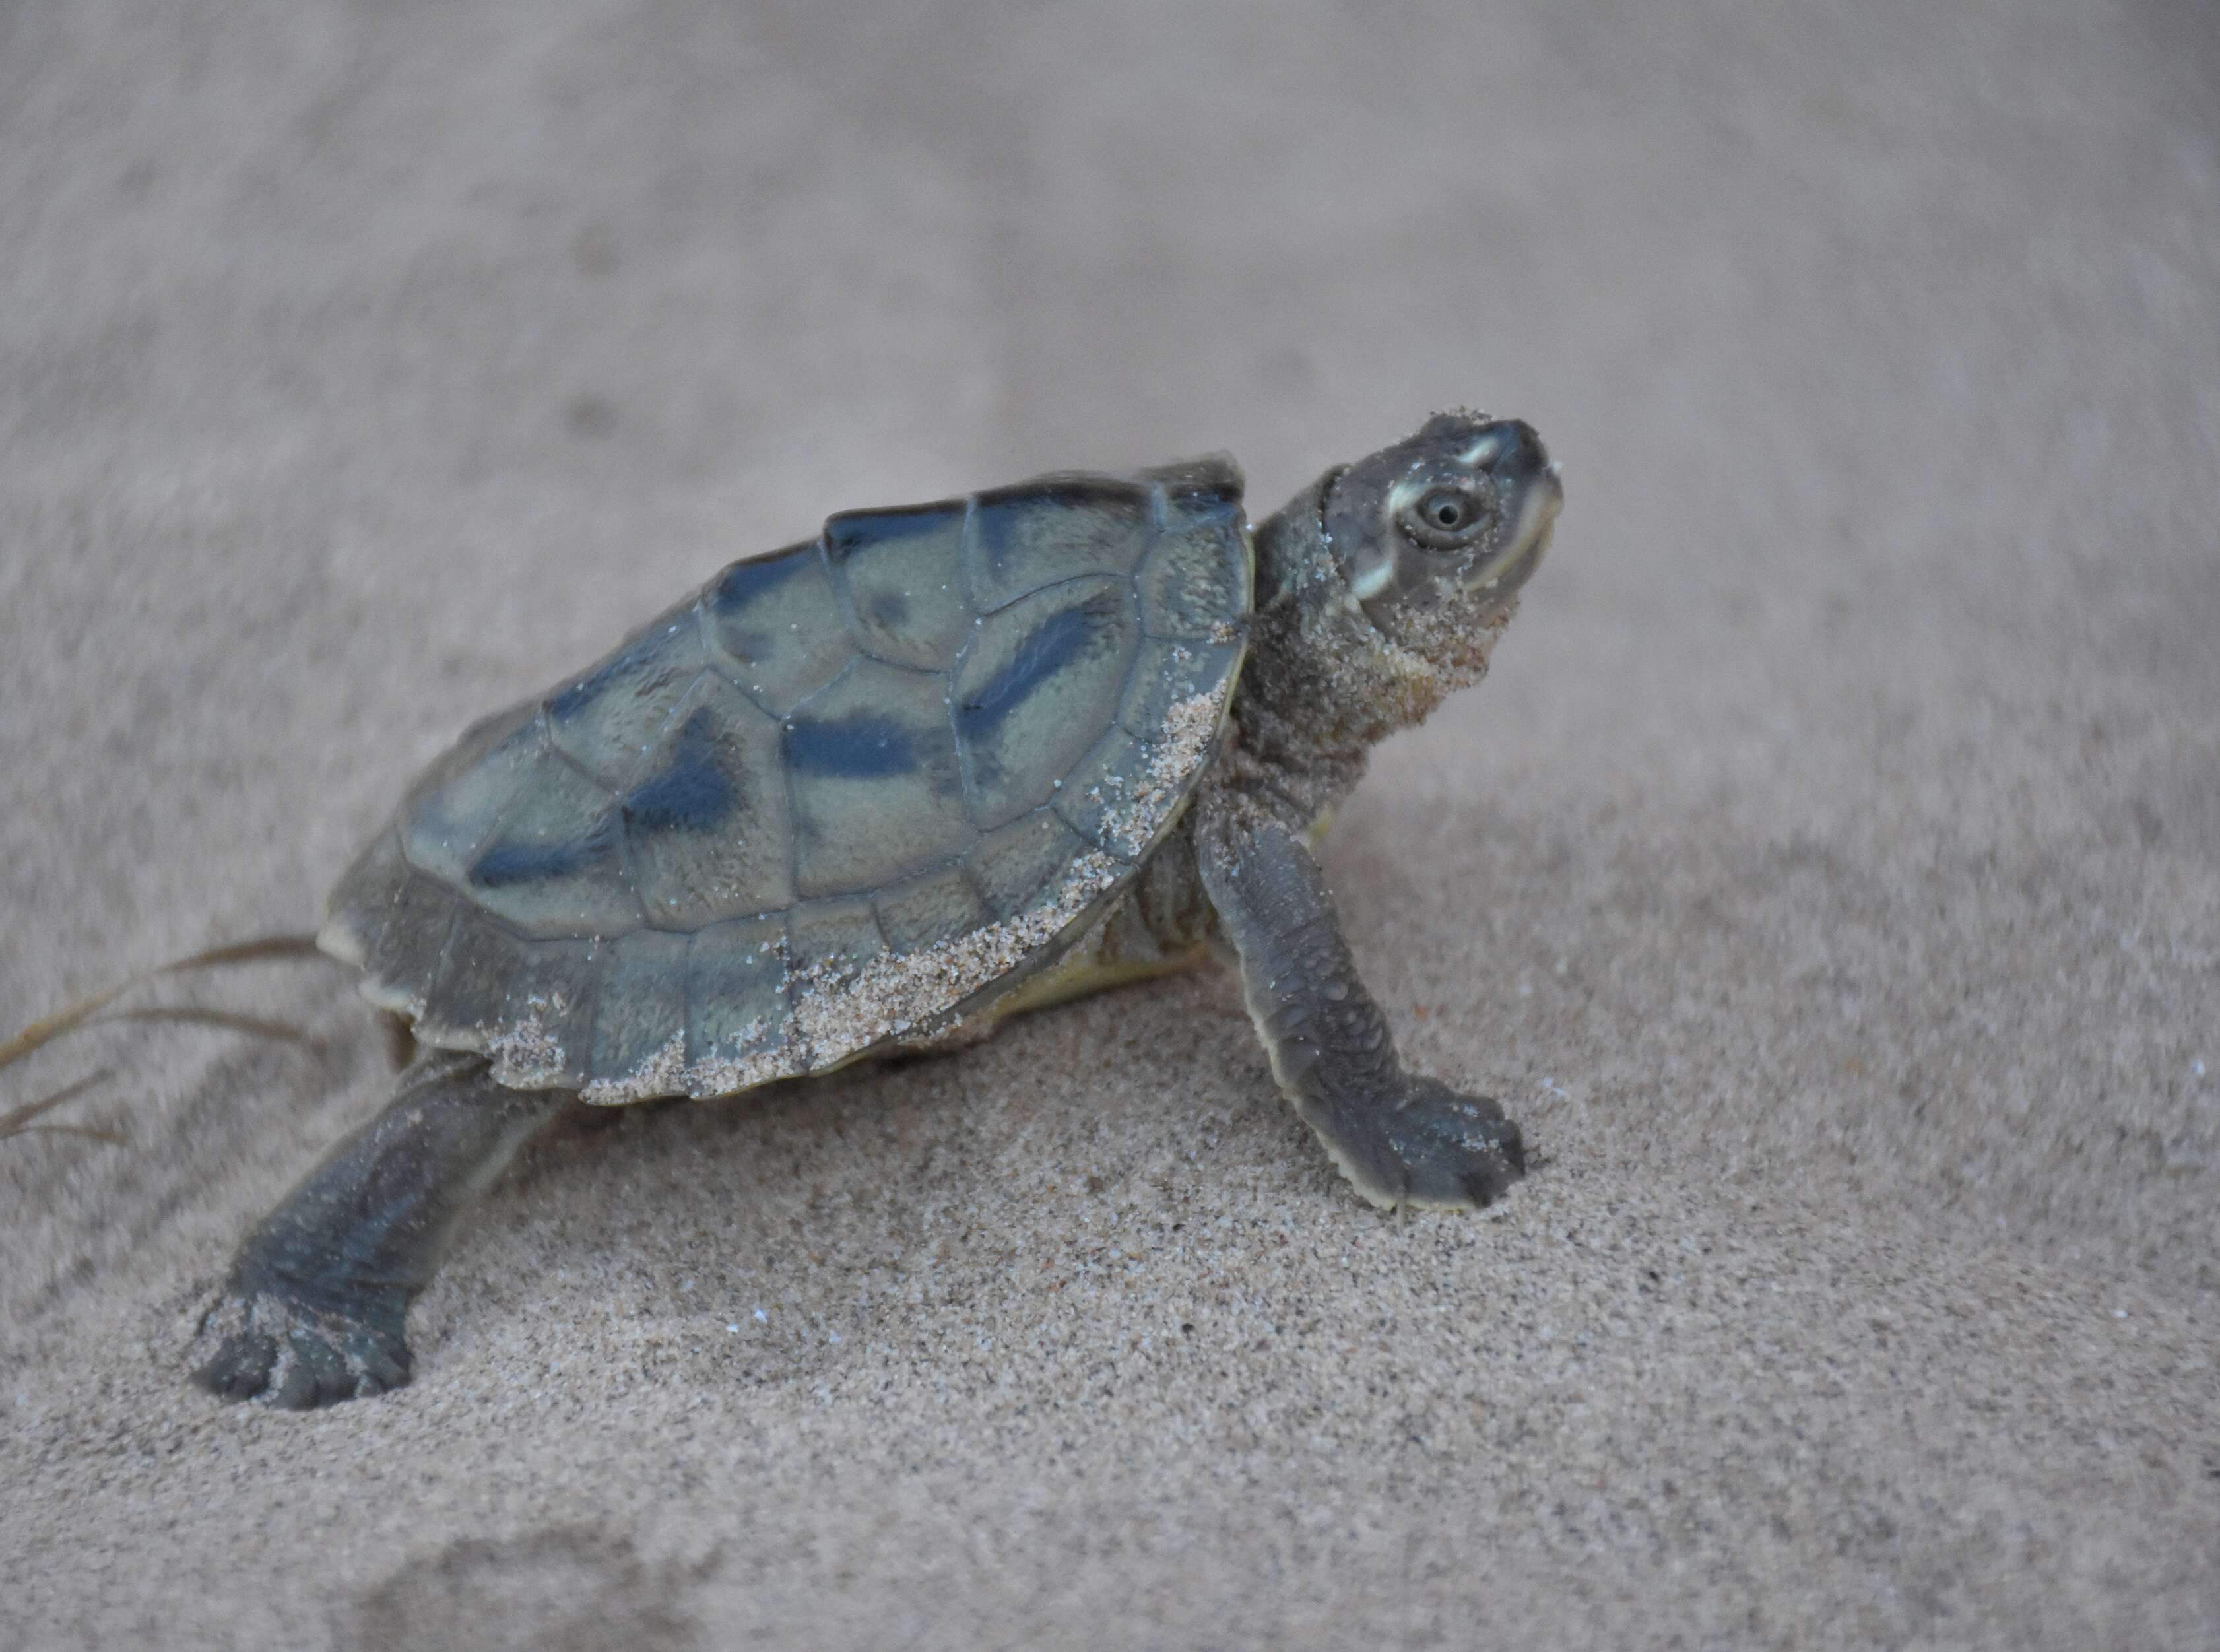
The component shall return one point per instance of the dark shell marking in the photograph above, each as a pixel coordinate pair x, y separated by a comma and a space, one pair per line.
842, 796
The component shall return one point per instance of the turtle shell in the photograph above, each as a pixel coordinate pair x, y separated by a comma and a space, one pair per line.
839, 797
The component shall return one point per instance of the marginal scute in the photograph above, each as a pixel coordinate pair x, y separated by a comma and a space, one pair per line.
470, 997
735, 999
827, 940
1194, 579
877, 787
927, 909
541, 1038
1100, 800
775, 626
1207, 486
360, 905
851, 792
900, 571
1167, 672
1011, 865
1018, 539
640, 1020
409, 951
527, 1004
706, 824
1037, 689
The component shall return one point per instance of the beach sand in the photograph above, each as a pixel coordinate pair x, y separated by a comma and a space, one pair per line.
1828, 875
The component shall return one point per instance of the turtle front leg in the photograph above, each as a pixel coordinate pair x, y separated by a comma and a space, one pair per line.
317, 1301
1399, 1138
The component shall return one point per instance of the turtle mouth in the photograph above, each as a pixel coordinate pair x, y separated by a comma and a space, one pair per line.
1540, 500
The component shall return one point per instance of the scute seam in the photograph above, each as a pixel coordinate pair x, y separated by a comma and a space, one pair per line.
839, 1011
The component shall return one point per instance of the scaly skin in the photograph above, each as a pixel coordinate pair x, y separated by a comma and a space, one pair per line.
314, 1308
1328, 675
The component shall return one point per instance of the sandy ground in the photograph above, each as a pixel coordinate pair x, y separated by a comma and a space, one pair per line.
1828, 874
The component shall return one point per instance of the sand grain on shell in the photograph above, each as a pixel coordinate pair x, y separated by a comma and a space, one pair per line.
839, 1011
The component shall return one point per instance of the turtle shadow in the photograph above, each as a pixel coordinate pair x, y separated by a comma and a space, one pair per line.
806, 1124
728, 1239
565, 1588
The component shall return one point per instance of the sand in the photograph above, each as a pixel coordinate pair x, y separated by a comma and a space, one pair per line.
1828, 875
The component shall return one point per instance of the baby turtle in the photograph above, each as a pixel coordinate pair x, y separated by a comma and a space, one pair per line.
876, 791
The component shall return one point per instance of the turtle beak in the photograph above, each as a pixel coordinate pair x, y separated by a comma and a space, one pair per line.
1537, 495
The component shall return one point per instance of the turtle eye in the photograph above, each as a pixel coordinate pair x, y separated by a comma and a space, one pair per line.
1445, 519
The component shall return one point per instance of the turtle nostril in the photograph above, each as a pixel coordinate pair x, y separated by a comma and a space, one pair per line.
1519, 455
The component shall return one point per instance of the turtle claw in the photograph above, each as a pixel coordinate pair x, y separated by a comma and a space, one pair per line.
1454, 1151
242, 1367
296, 1358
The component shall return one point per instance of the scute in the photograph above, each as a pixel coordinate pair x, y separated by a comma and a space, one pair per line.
1170, 673
1100, 799
774, 625
706, 819
1018, 539
407, 955
901, 573
877, 791
933, 907
447, 816
639, 1014
1191, 578
827, 940
1036, 688
482, 963
737, 1001
606, 720
843, 795
554, 863
1010, 865
540, 1034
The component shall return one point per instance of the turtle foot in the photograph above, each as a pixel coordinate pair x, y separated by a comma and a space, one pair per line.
1442, 1151
272, 1343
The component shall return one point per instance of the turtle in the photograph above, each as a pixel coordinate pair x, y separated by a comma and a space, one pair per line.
874, 793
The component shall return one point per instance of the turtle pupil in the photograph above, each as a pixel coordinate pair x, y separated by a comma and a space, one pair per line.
1443, 518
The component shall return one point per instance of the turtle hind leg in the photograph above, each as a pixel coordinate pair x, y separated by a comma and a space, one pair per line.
315, 1308
1399, 1137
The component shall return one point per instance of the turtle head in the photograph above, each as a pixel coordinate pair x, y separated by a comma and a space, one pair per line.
1463, 509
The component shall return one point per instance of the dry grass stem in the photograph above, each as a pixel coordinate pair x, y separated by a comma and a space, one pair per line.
18, 1121
88, 1012
47, 1029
